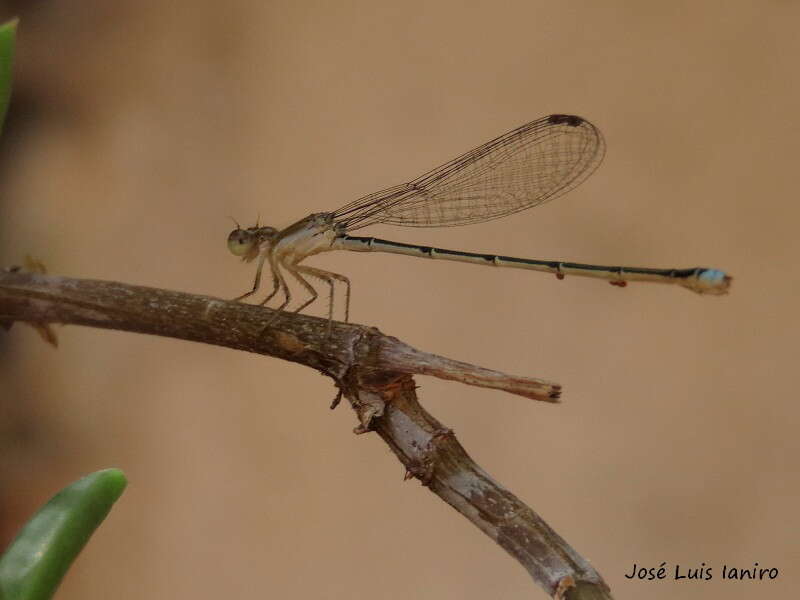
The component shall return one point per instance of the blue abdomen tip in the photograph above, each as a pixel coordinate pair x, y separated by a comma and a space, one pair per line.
713, 276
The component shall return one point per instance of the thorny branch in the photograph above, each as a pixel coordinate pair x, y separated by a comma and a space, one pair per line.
372, 370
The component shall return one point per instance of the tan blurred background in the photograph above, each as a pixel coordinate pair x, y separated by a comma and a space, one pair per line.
138, 127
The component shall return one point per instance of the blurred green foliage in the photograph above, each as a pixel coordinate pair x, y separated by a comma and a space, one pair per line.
34, 564
8, 34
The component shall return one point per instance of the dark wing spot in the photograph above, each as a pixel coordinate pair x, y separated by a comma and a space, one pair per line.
570, 120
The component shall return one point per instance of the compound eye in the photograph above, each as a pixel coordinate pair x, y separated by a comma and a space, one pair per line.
240, 242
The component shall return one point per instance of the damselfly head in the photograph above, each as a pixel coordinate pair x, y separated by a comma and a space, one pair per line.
247, 242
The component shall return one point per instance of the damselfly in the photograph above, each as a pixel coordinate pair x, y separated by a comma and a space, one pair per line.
516, 171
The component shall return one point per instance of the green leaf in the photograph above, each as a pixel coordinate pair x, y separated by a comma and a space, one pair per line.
36, 561
8, 34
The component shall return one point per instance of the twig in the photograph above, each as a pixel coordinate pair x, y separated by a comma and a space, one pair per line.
372, 370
